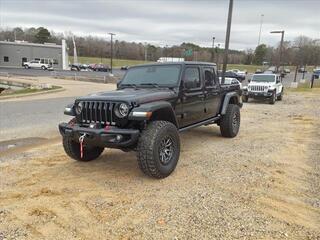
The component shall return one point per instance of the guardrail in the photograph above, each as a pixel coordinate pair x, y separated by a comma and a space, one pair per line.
86, 78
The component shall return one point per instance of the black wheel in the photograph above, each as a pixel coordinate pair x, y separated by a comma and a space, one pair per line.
26, 66
72, 148
159, 149
230, 122
273, 98
43, 67
245, 98
279, 98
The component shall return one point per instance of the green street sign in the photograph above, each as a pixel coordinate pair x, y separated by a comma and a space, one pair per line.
188, 53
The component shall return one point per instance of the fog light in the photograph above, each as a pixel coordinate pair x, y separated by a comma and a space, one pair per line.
119, 138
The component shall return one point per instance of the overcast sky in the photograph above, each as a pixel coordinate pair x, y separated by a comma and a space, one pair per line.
169, 21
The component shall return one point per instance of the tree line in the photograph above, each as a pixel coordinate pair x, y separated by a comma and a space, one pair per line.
301, 51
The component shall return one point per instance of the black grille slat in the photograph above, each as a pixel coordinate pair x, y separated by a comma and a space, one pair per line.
98, 112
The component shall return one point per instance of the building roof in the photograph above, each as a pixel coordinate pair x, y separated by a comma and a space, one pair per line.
48, 45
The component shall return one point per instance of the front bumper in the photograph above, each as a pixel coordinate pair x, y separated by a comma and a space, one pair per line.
257, 94
111, 137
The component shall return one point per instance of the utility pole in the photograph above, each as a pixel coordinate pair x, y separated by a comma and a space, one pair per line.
145, 52
281, 48
111, 36
212, 56
226, 47
261, 21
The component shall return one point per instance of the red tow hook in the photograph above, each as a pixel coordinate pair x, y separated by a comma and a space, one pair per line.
106, 128
81, 140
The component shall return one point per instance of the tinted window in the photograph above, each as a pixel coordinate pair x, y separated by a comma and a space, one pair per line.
192, 77
159, 74
6, 59
209, 77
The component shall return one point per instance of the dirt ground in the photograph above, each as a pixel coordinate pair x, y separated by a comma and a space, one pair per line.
263, 184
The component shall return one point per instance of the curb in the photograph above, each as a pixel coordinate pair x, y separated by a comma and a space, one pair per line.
31, 94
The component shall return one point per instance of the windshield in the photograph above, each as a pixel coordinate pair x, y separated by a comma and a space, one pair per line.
263, 78
161, 75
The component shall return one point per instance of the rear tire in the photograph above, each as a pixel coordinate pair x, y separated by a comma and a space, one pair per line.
72, 149
43, 67
230, 122
158, 149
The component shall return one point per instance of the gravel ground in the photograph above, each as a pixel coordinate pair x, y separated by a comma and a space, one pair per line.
263, 184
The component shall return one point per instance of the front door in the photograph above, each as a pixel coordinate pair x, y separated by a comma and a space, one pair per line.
211, 92
192, 96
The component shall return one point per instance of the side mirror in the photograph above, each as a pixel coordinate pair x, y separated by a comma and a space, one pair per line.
118, 83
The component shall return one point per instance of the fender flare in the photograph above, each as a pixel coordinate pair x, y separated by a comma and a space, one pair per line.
226, 101
153, 107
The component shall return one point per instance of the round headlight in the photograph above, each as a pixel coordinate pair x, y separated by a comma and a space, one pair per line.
79, 107
122, 110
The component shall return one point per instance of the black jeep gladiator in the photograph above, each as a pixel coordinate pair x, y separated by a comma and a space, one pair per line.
151, 105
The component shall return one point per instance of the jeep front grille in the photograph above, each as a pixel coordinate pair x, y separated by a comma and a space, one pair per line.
257, 88
97, 112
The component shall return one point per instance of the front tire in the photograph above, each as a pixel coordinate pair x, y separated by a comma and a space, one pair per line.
279, 98
158, 149
245, 98
43, 67
273, 98
72, 149
230, 122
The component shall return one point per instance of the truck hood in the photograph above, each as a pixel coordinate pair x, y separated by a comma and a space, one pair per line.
130, 95
268, 84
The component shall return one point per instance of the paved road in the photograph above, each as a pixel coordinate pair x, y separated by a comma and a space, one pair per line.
45, 73
36, 118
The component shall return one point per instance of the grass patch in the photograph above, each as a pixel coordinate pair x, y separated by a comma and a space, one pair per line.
305, 87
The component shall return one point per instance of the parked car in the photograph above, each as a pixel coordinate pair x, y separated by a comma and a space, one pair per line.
100, 68
287, 70
230, 74
316, 74
258, 71
231, 81
124, 67
240, 73
152, 104
264, 86
42, 63
302, 70
79, 67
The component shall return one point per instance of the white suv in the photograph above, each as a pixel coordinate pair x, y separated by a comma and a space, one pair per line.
264, 86
43, 63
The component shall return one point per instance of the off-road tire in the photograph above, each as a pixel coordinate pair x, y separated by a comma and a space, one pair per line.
43, 68
149, 147
273, 98
72, 149
245, 98
279, 98
230, 122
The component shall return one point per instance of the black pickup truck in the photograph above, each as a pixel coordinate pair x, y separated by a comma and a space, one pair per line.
151, 105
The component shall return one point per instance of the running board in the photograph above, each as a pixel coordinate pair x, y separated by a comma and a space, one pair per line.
205, 122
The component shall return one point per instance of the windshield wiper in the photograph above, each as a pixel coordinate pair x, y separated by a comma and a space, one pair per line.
150, 84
